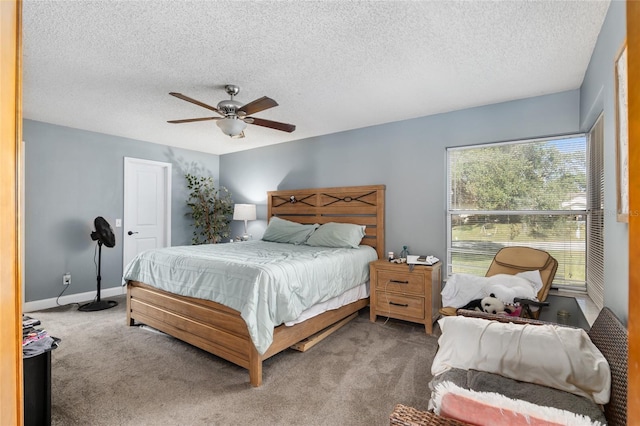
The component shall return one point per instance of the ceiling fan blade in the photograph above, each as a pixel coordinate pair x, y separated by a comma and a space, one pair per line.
190, 120
257, 106
273, 124
193, 101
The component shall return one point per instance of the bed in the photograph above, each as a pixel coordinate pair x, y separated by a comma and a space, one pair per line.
220, 329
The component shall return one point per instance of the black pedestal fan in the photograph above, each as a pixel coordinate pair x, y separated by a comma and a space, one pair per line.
104, 235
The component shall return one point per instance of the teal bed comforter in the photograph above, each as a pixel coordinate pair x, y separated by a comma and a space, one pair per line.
268, 283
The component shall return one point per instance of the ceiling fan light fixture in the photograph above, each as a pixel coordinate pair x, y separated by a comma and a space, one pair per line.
234, 115
231, 126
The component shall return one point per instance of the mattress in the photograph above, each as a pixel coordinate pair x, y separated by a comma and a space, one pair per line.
349, 296
268, 283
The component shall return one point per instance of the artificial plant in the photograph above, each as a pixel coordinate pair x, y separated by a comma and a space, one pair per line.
211, 210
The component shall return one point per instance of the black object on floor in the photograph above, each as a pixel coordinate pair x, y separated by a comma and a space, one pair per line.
98, 305
104, 235
37, 389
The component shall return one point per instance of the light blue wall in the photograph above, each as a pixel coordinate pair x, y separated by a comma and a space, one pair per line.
72, 176
597, 95
408, 157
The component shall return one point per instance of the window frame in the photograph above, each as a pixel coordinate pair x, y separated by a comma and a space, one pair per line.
450, 213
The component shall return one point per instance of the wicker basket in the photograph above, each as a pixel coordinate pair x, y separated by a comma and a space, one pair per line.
409, 416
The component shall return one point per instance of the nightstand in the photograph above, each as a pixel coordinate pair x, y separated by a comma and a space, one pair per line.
410, 295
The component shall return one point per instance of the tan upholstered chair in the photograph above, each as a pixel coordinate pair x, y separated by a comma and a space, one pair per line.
512, 260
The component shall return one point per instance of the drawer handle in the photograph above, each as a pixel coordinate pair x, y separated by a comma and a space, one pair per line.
404, 305
399, 282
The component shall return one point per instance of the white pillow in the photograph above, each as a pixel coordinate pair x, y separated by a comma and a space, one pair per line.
285, 231
559, 357
463, 288
507, 287
534, 277
332, 234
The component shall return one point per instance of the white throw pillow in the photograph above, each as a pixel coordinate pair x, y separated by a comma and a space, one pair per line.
534, 277
332, 234
463, 288
559, 357
285, 231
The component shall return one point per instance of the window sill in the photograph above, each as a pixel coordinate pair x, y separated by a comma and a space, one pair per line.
589, 309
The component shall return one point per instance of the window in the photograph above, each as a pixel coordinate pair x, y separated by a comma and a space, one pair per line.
529, 193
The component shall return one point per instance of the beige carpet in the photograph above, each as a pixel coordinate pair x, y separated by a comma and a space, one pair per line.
105, 373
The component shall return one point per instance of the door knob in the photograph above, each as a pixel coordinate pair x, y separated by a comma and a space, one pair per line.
131, 232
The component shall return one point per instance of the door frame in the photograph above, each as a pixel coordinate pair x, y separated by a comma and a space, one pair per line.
11, 398
167, 167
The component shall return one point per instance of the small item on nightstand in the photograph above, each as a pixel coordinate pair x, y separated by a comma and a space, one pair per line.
390, 256
404, 253
422, 260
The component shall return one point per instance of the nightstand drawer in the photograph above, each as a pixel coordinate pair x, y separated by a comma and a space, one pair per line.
393, 305
400, 282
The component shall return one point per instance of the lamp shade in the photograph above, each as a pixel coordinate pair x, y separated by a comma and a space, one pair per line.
244, 212
231, 126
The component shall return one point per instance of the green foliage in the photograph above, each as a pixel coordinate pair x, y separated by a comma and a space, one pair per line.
211, 210
517, 177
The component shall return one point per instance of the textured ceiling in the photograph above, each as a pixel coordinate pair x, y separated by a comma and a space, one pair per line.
108, 66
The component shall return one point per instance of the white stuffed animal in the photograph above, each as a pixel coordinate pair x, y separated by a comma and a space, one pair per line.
490, 304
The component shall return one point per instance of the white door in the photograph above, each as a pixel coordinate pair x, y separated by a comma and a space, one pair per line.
147, 206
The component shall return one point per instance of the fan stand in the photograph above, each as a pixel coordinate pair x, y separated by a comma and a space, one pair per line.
98, 305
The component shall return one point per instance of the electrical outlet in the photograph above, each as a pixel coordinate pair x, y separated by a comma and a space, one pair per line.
66, 279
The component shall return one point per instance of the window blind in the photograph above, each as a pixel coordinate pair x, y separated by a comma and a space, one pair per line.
595, 207
527, 193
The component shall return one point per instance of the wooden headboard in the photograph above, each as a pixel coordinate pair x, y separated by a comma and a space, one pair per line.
362, 205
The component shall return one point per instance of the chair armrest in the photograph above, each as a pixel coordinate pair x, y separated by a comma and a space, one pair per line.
530, 302
527, 304
409, 416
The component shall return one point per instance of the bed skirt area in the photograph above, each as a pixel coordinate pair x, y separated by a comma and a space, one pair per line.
218, 329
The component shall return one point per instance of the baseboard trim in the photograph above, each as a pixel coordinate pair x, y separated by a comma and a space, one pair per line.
38, 305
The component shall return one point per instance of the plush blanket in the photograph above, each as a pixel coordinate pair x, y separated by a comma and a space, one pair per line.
543, 396
463, 288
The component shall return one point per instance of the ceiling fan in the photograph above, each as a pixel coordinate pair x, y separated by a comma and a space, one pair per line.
234, 116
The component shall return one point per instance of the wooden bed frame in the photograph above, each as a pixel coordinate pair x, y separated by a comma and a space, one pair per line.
220, 330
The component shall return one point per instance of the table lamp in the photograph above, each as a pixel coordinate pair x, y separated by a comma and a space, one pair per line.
244, 212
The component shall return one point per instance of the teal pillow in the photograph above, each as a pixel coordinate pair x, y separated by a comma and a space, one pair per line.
285, 231
334, 234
